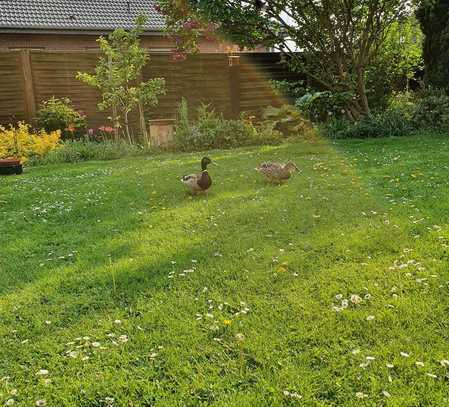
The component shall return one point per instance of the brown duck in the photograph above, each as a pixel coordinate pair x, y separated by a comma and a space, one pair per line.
277, 173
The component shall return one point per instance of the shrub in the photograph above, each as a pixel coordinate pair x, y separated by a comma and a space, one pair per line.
404, 102
59, 114
392, 122
73, 151
336, 128
432, 110
20, 142
406, 114
212, 130
320, 106
209, 129
317, 106
266, 133
286, 119
182, 130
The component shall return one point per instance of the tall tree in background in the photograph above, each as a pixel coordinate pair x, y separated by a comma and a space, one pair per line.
338, 39
434, 18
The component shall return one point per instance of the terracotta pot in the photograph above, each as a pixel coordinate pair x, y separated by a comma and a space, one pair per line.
10, 166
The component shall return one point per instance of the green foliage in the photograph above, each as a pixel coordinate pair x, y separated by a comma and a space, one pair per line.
406, 114
434, 18
338, 39
432, 110
397, 63
183, 130
336, 128
59, 114
118, 77
211, 130
82, 150
390, 123
266, 132
290, 89
405, 102
317, 106
320, 106
286, 119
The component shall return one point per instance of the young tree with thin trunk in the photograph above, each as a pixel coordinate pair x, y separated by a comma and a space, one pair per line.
118, 76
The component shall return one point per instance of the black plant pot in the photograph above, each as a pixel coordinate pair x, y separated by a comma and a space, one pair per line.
10, 167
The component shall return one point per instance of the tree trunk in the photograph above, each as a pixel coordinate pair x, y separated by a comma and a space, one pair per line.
354, 112
350, 114
114, 106
128, 134
361, 89
115, 123
143, 125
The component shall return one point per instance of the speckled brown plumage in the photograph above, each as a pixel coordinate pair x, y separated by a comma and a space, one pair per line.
277, 172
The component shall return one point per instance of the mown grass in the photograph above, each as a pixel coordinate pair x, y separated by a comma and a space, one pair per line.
117, 289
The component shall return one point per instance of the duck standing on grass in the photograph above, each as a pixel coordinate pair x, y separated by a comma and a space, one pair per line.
277, 173
200, 182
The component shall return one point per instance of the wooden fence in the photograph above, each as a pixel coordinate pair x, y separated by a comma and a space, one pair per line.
29, 77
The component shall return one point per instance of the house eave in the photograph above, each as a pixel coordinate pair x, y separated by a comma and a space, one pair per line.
50, 31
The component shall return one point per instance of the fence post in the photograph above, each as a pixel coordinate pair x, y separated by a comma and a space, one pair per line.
234, 78
28, 86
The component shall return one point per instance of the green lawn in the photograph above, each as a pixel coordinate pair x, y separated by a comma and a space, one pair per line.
117, 289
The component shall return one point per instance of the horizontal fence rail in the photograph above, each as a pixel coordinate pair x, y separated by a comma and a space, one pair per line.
27, 78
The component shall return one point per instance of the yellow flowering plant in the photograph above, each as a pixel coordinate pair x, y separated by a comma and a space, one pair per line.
22, 143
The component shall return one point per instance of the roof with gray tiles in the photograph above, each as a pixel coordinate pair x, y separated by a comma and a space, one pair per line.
77, 15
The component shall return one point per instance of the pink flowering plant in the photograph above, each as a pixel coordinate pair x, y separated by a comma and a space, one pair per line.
105, 133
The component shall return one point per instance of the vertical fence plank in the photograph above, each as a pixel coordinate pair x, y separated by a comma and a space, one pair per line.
234, 84
12, 107
30, 99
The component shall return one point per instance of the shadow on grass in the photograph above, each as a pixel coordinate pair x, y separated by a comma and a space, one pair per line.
113, 270
133, 185
123, 265
157, 229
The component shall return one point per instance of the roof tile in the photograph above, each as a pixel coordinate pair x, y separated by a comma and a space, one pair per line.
77, 14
